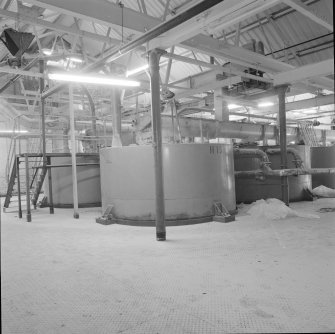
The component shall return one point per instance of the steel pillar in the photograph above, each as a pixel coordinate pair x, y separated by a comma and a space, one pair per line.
281, 91
154, 57
73, 155
42, 101
116, 117
27, 188
51, 202
18, 186
220, 106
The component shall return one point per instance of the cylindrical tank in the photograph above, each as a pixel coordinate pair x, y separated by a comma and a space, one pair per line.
323, 157
251, 189
89, 191
195, 176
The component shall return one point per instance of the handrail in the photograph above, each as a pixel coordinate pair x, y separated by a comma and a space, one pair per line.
11, 154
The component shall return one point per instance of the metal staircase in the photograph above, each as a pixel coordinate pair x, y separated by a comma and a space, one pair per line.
38, 187
17, 176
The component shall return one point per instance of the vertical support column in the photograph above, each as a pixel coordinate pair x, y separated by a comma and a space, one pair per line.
18, 185
73, 155
281, 90
220, 106
51, 202
116, 117
42, 102
221, 113
154, 57
27, 188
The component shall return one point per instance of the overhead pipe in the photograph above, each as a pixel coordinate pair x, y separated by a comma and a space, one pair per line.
92, 108
298, 161
266, 170
116, 117
257, 153
281, 90
189, 127
144, 38
283, 172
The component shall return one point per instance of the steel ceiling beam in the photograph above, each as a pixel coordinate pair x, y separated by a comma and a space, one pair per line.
311, 13
306, 72
200, 8
58, 27
102, 12
205, 82
21, 72
213, 47
225, 13
302, 104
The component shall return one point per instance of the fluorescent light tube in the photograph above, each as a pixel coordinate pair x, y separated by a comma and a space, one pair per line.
137, 70
233, 106
265, 104
98, 80
75, 59
11, 131
47, 52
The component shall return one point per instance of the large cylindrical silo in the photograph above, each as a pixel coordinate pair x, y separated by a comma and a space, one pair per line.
251, 189
195, 176
88, 177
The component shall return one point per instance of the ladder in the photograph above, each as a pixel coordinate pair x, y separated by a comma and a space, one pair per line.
17, 182
39, 185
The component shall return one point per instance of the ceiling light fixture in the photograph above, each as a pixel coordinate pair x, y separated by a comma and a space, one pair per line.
15, 131
233, 106
97, 79
47, 52
137, 70
265, 104
75, 59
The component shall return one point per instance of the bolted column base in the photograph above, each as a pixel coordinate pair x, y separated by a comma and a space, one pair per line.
161, 236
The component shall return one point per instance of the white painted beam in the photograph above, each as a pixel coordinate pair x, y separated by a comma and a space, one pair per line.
100, 11
300, 105
228, 11
240, 56
21, 72
310, 103
306, 72
205, 82
236, 16
58, 27
311, 13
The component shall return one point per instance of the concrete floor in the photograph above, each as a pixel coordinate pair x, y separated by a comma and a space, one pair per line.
60, 275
